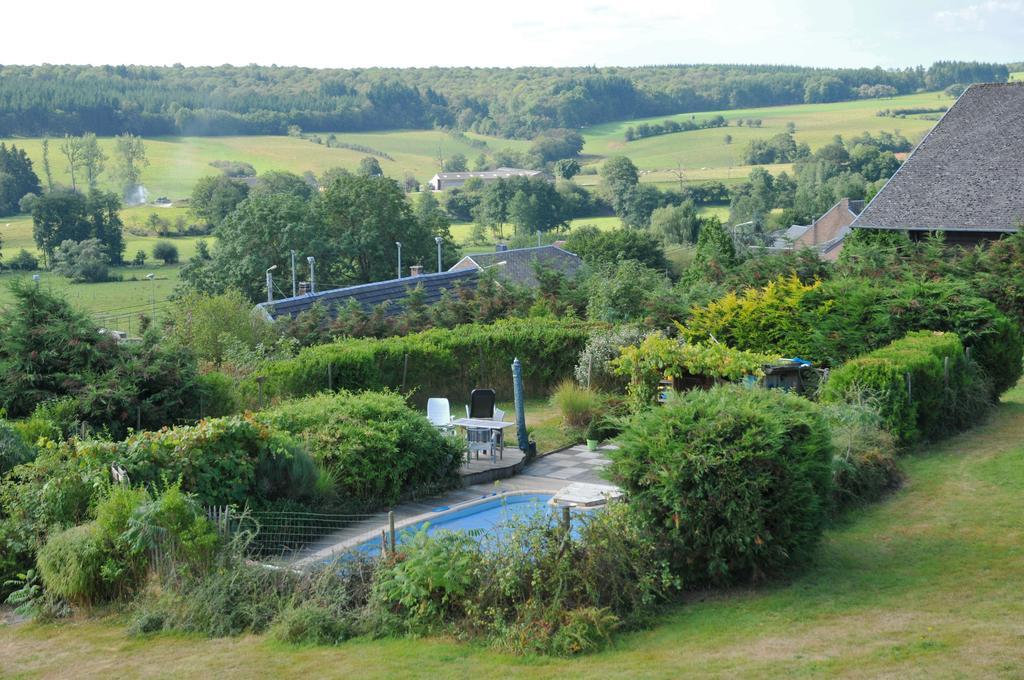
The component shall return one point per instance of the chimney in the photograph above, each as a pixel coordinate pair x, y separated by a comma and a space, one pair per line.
416, 270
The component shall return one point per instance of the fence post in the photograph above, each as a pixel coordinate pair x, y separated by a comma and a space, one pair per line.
910, 391
945, 370
566, 519
517, 389
330, 378
405, 369
383, 544
391, 529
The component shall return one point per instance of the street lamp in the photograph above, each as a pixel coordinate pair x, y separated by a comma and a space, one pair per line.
295, 289
270, 283
152, 294
312, 273
438, 240
399, 244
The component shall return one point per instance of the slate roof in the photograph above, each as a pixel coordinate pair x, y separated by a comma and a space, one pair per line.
370, 295
519, 263
787, 238
967, 174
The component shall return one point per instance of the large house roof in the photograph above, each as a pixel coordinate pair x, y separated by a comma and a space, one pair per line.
967, 174
497, 173
369, 295
519, 264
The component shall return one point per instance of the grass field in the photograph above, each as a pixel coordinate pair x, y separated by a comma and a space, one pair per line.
704, 155
177, 162
925, 584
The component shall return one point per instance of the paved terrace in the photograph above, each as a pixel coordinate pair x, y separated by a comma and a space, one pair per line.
546, 474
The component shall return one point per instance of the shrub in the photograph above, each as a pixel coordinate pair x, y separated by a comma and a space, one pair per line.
579, 406
924, 385
82, 261
438, 361
166, 251
219, 395
377, 449
13, 449
594, 369
311, 623
864, 467
737, 481
71, 565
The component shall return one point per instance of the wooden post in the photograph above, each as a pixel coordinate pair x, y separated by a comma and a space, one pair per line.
330, 378
383, 544
945, 370
405, 369
391, 529
910, 390
566, 519
138, 418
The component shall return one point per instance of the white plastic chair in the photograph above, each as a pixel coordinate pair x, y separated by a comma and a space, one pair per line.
439, 413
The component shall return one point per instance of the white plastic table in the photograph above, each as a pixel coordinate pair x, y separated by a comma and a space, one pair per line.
495, 426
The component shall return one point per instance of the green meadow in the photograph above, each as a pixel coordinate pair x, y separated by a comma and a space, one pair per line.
177, 162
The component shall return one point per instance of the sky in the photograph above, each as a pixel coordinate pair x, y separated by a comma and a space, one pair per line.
348, 33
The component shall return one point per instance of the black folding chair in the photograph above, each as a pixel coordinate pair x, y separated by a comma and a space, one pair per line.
481, 405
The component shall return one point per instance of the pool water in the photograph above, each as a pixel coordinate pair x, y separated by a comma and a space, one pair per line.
489, 519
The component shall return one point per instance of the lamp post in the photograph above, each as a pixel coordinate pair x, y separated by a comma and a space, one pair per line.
152, 294
270, 283
438, 240
312, 273
295, 288
399, 244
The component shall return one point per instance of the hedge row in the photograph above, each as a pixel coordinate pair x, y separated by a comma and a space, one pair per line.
925, 385
435, 362
835, 321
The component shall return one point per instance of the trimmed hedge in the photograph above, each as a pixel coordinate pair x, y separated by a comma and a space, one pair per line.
918, 396
738, 481
835, 321
375, 447
440, 361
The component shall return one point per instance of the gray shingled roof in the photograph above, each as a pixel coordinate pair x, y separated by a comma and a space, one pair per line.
370, 295
519, 263
967, 174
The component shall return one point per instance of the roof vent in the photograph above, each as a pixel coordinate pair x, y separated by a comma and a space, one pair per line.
416, 270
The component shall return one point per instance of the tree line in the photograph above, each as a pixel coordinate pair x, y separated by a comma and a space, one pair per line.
517, 102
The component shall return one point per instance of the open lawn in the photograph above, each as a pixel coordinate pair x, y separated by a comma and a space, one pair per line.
924, 584
704, 155
177, 162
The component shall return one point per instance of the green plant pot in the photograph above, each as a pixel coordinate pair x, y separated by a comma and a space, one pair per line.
592, 444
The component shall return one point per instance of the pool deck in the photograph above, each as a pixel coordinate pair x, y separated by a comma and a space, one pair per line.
546, 474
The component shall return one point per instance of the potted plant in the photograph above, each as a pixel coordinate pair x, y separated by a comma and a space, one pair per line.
593, 435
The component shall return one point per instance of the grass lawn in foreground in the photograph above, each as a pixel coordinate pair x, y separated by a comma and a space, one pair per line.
925, 584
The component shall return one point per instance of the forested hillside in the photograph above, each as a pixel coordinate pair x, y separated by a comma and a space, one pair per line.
512, 102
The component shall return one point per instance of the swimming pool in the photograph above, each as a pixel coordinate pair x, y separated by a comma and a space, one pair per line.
488, 518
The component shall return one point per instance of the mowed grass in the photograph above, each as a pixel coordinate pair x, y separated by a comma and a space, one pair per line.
116, 304
704, 154
176, 163
925, 584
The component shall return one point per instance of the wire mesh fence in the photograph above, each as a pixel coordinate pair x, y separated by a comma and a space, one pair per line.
288, 536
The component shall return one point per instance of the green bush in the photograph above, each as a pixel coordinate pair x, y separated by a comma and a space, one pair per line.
13, 449
864, 467
219, 395
579, 406
233, 460
376, 448
311, 623
834, 321
737, 481
71, 565
924, 385
438, 361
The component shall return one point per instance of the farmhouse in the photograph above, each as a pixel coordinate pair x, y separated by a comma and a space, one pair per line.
508, 266
450, 180
520, 266
966, 176
825, 234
